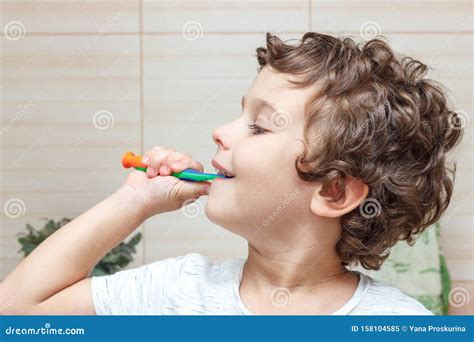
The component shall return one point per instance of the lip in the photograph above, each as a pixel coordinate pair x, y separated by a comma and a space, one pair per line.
219, 166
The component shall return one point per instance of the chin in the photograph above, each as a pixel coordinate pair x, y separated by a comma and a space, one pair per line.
221, 213
215, 210
227, 216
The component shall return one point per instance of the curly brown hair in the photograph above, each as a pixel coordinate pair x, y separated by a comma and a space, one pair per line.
373, 116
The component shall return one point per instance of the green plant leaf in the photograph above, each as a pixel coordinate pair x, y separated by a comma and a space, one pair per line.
117, 259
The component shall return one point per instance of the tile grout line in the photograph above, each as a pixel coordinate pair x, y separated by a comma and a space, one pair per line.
245, 33
142, 106
310, 17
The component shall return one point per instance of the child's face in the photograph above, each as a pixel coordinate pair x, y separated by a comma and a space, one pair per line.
266, 191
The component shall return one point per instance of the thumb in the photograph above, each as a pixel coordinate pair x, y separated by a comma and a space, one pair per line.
194, 189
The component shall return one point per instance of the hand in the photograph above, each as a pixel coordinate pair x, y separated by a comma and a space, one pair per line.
157, 190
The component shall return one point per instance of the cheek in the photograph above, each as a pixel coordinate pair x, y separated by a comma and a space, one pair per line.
250, 160
268, 161
266, 182
266, 175
258, 161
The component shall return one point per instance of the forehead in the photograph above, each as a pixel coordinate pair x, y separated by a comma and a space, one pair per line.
276, 89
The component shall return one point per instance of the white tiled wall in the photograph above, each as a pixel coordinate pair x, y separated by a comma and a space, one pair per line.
168, 72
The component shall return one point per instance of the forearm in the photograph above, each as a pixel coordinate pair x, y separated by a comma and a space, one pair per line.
69, 254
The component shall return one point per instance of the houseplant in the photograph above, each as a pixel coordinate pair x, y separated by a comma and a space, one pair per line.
117, 259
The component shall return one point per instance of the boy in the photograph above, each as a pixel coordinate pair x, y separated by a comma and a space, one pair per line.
338, 154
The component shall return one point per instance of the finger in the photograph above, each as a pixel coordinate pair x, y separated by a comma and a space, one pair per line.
156, 160
193, 190
186, 163
172, 159
151, 172
150, 153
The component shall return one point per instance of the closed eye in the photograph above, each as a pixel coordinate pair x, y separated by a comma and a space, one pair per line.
257, 130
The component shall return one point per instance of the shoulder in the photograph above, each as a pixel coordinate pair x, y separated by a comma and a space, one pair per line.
180, 284
192, 264
199, 266
201, 286
383, 299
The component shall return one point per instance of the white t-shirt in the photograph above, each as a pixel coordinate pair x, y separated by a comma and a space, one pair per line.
193, 285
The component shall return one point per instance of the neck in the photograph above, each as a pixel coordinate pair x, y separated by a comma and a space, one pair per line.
309, 261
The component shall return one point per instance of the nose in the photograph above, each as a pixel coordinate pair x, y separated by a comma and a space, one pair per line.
218, 135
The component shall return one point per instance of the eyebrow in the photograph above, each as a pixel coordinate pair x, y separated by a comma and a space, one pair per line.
259, 104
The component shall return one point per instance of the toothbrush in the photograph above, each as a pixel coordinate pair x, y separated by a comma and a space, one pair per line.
131, 160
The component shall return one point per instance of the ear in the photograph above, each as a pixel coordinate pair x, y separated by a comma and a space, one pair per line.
354, 192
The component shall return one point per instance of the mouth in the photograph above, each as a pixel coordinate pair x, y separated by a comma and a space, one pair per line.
220, 170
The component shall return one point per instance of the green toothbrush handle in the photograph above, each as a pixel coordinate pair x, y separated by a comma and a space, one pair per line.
191, 175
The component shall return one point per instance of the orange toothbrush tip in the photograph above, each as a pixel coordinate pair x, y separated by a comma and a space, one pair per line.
129, 159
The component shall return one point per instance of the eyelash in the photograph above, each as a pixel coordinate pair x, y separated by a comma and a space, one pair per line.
257, 130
